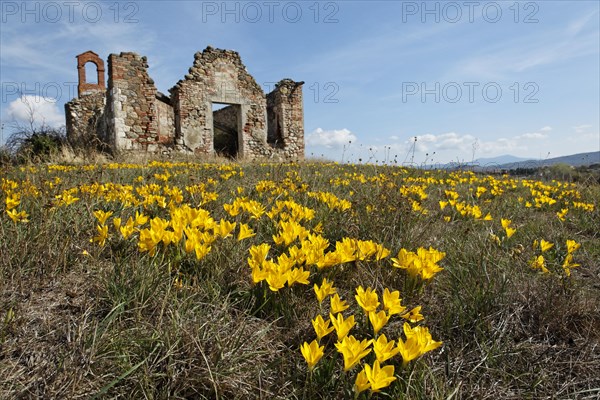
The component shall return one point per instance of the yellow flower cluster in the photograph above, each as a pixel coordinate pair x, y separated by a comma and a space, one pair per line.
423, 263
283, 226
540, 262
13, 200
417, 342
331, 200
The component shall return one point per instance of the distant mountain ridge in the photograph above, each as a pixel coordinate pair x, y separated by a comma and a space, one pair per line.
512, 162
504, 159
574, 160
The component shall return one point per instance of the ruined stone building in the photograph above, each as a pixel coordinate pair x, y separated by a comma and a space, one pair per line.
130, 115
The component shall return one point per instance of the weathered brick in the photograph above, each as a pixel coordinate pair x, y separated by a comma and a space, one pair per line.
134, 116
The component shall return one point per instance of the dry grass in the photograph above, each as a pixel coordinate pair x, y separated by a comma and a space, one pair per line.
115, 324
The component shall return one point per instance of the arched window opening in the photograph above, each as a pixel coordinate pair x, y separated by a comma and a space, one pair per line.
91, 73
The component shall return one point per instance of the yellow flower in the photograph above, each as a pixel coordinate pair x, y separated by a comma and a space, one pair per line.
102, 235
562, 214
232, 209
378, 320
429, 259
361, 383
413, 315
312, 353
245, 232
409, 350
545, 246
285, 263
20, 216
342, 326
223, 228
321, 327
365, 249
346, 250
505, 223
150, 238
276, 280
510, 232
353, 350
12, 201
127, 229
381, 252
140, 219
366, 299
258, 253
102, 216
337, 304
572, 246
392, 302
407, 260
117, 222
418, 342
568, 264
201, 250
422, 333
297, 275
384, 350
378, 377
324, 290
540, 263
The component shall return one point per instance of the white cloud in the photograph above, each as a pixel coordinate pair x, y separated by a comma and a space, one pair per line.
581, 128
452, 145
532, 135
445, 141
41, 110
546, 129
330, 138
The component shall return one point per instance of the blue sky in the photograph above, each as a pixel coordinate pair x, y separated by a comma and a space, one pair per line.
467, 79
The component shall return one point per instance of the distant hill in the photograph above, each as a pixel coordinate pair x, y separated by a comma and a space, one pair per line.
505, 159
512, 162
575, 160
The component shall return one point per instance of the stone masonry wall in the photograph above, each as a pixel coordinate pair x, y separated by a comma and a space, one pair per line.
165, 119
131, 115
227, 117
131, 109
84, 119
218, 76
286, 119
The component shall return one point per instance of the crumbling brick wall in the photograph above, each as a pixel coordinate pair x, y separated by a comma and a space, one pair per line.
131, 115
227, 117
218, 76
131, 109
84, 115
286, 119
165, 120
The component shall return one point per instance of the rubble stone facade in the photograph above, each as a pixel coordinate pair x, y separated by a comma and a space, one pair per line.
84, 119
132, 116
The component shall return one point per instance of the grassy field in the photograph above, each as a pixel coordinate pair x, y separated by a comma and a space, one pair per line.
188, 280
